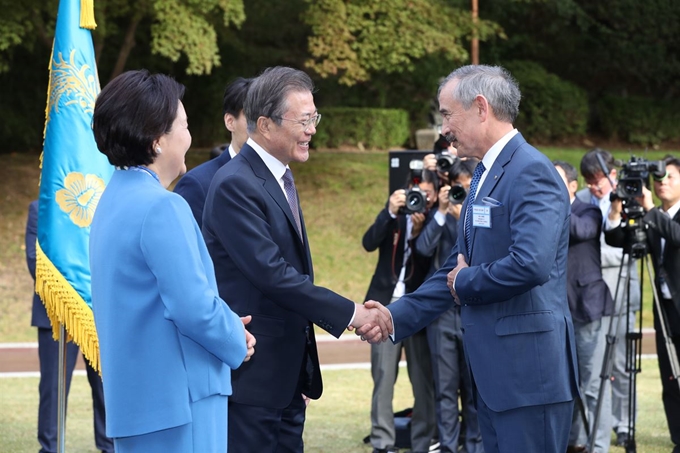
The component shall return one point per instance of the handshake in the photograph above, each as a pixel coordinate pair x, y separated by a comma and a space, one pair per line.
372, 322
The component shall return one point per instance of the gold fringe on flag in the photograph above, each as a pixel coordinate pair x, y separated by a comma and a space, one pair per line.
87, 14
65, 306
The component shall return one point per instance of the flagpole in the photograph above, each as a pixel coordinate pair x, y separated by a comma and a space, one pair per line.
61, 395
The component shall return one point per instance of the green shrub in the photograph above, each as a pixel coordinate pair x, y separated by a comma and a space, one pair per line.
551, 108
641, 121
362, 127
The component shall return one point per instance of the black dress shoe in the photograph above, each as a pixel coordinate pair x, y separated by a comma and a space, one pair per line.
386, 450
577, 449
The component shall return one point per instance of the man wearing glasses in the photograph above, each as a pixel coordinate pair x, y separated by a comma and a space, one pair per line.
598, 191
256, 236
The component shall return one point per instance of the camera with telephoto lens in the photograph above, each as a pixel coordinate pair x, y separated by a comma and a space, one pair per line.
457, 194
416, 199
635, 175
444, 161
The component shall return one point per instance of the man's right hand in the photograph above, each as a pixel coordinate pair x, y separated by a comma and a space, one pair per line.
443, 198
373, 322
397, 200
430, 162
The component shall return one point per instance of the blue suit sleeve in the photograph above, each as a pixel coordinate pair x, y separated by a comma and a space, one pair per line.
538, 210
585, 225
428, 239
170, 243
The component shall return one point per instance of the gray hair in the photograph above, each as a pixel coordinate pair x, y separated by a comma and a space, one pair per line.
268, 93
493, 82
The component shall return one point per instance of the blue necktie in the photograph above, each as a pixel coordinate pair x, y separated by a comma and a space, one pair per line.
477, 175
291, 194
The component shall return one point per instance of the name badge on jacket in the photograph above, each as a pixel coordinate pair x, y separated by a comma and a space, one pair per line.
481, 216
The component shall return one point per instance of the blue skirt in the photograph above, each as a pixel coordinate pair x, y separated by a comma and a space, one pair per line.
206, 433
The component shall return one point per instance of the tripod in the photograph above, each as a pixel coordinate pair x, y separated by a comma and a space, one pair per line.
633, 364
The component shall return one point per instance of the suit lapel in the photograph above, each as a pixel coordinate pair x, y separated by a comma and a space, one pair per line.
271, 185
495, 174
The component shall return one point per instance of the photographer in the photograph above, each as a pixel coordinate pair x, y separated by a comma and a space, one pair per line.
400, 271
589, 301
441, 159
663, 241
599, 188
444, 335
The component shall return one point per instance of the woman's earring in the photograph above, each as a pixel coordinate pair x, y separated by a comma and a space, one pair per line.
158, 150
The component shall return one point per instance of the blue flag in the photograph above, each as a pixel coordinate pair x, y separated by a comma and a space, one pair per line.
74, 175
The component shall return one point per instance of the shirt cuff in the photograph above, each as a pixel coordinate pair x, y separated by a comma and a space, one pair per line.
609, 225
353, 315
440, 218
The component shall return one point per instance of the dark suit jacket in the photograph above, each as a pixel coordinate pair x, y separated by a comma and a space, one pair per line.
264, 269
518, 333
437, 241
588, 294
39, 316
666, 266
193, 186
382, 235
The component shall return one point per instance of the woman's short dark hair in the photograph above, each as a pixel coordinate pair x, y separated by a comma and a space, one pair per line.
133, 111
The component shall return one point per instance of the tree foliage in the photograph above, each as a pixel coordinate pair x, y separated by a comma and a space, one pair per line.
354, 38
176, 27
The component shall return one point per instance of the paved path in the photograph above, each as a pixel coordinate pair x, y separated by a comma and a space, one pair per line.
23, 357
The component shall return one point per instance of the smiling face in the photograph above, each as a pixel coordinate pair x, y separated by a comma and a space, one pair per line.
460, 126
174, 146
289, 141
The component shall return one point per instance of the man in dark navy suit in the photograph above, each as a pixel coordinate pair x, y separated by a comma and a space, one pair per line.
589, 302
48, 353
256, 236
193, 186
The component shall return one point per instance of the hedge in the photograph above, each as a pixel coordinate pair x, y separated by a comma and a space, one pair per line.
551, 109
637, 120
362, 127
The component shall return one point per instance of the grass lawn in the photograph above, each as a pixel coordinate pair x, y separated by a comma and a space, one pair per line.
336, 423
341, 193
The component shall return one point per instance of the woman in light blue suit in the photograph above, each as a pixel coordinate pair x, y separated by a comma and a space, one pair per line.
167, 341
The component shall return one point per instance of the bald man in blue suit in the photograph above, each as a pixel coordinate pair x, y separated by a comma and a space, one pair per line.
507, 272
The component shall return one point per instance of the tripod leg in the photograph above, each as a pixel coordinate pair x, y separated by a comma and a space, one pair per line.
608, 359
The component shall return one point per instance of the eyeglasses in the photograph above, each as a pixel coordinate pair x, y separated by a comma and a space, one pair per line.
600, 184
314, 120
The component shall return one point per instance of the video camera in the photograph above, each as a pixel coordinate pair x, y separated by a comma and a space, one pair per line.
635, 175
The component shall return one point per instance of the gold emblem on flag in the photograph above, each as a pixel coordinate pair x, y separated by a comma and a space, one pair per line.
80, 196
79, 84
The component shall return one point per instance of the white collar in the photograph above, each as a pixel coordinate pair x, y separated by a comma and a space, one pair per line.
673, 209
273, 164
491, 155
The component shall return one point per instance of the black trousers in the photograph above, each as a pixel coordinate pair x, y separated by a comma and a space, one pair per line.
48, 351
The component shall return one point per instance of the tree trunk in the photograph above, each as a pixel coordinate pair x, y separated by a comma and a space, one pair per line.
126, 48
